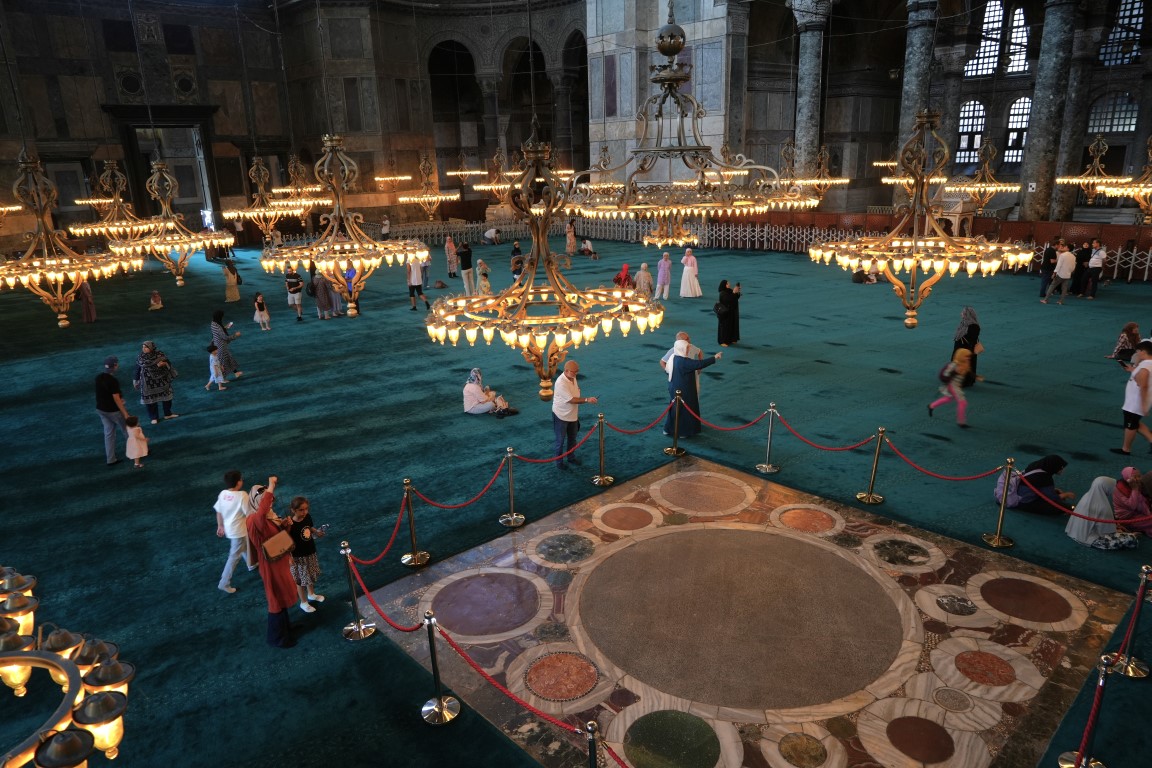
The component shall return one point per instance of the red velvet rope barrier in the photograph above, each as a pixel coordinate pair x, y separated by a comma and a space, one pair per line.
472, 500
1074, 513
716, 426
378, 609
495, 684
663, 413
395, 530
612, 753
567, 453
788, 426
1090, 726
1135, 617
919, 468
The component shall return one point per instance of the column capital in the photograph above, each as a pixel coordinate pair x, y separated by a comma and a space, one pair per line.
811, 14
489, 82
1086, 43
561, 79
954, 57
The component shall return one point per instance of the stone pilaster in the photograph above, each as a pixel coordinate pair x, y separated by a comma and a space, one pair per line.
917, 63
811, 23
1038, 171
1085, 47
737, 74
561, 118
490, 90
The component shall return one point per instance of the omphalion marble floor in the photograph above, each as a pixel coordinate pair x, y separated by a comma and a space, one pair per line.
705, 617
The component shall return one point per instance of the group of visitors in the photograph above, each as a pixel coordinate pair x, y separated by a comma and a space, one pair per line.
1076, 272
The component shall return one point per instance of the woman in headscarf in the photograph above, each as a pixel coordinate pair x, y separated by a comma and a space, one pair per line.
153, 380
279, 588
450, 254
322, 293
728, 314
681, 376
644, 281
967, 337
570, 239
689, 283
231, 283
1126, 343
222, 339
1130, 498
623, 279
1041, 476
480, 399
88, 304
1094, 504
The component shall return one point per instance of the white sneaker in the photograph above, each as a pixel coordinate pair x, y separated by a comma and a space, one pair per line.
307, 608
317, 598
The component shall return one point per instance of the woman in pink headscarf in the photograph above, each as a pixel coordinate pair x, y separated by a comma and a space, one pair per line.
689, 282
1130, 500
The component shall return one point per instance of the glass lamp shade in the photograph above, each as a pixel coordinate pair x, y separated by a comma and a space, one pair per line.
110, 675
15, 582
94, 652
15, 675
65, 749
64, 644
102, 715
22, 609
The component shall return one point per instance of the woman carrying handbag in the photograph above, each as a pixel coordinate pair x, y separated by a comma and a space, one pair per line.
266, 534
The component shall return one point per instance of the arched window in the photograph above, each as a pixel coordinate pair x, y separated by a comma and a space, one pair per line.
1018, 115
988, 54
1123, 43
1017, 44
1113, 113
971, 129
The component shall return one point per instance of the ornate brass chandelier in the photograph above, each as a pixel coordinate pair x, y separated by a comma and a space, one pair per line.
1094, 176
49, 268
1139, 190
394, 177
464, 172
169, 242
983, 186
822, 180
542, 314
92, 679
343, 252
430, 197
7, 209
262, 212
497, 184
299, 193
670, 137
918, 243
118, 221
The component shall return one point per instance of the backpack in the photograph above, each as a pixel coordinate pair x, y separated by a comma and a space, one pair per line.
1016, 497
945, 374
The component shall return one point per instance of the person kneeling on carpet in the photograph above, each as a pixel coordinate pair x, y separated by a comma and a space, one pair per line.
480, 399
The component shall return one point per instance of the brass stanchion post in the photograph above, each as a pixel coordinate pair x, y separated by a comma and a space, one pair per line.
440, 709
360, 628
768, 468
996, 540
602, 479
675, 449
415, 558
511, 518
1128, 665
1078, 759
593, 747
868, 497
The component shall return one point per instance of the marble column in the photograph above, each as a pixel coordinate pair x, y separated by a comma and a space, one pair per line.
918, 47
490, 89
737, 75
561, 118
1038, 171
811, 22
1075, 123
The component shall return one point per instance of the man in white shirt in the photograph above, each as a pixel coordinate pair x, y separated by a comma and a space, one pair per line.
385, 228
492, 237
232, 510
1062, 279
416, 283
566, 400
1137, 397
1095, 267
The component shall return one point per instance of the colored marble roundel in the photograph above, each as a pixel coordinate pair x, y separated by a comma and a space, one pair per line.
808, 518
702, 494
565, 548
670, 738
486, 603
562, 676
627, 518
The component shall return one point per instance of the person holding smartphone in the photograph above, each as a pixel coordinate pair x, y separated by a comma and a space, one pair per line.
728, 314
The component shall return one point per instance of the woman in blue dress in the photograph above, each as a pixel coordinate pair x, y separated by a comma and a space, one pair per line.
682, 376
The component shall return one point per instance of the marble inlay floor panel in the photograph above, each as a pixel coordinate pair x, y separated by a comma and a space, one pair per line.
706, 617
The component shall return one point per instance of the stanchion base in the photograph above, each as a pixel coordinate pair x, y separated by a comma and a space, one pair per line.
440, 711
869, 498
360, 629
674, 451
416, 559
1129, 666
997, 542
1068, 760
511, 519
767, 469
603, 480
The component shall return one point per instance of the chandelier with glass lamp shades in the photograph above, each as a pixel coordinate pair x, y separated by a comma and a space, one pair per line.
343, 252
670, 142
49, 268
542, 314
117, 221
299, 193
261, 211
918, 244
1094, 176
429, 197
982, 187
1139, 189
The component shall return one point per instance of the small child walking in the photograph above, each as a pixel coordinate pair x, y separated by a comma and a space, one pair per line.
137, 444
305, 565
261, 315
155, 302
953, 390
215, 370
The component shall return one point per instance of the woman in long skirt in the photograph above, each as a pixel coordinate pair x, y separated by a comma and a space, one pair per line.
279, 588
728, 315
689, 284
222, 339
450, 253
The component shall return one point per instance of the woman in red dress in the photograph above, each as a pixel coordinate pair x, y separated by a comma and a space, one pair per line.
279, 587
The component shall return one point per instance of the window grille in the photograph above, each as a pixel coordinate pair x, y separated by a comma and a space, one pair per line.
1018, 44
1018, 115
1113, 113
1123, 43
988, 54
972, 123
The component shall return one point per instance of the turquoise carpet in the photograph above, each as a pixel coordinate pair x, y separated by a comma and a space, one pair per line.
343, 410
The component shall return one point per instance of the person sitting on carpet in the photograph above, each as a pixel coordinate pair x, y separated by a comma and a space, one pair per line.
480, 399
1126, 343
1094, 504
1131, 499
1041, 475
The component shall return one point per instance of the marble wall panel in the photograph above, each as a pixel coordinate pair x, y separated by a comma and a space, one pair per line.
259, 49
229, 118
346, 38
38, 106
218, 47
626, 79
595, 95
83, 95
266, 102
68, 37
